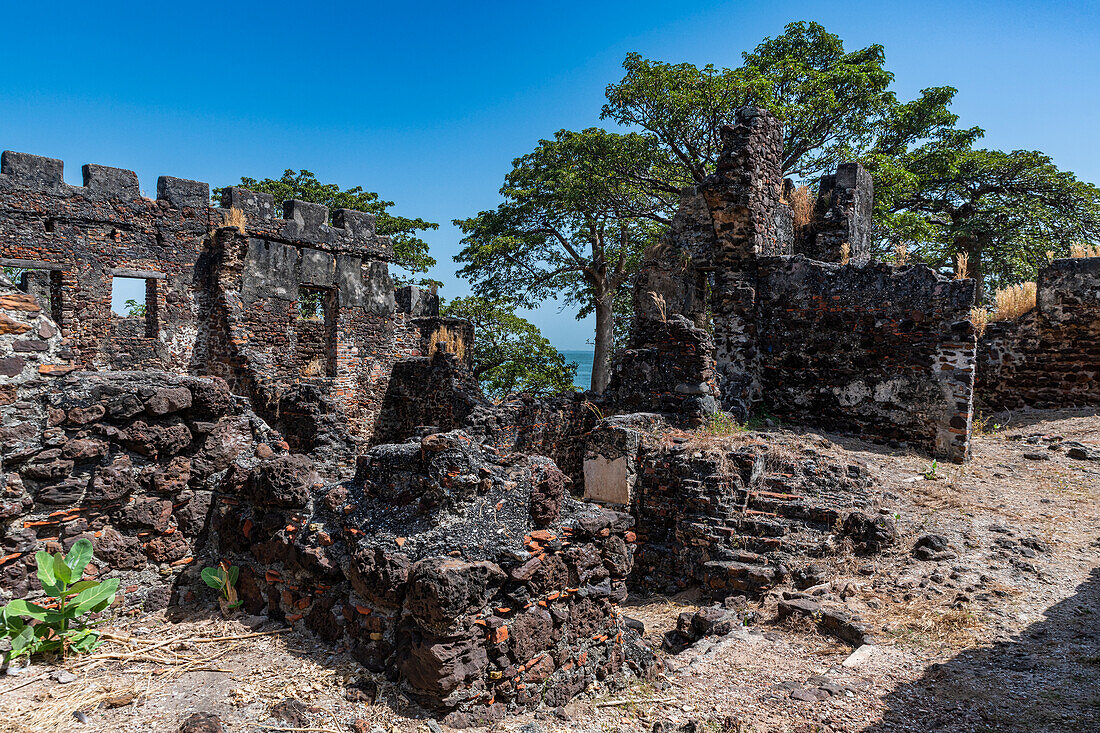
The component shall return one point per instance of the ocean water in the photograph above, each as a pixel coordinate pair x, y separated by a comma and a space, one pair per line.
583, 380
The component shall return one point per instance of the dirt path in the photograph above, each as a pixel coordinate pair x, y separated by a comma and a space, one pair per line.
1000, 633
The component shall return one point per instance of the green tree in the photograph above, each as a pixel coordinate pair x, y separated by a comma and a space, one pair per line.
510, 354
1006, 212
409, 250
835, 105
573, 224
935, 193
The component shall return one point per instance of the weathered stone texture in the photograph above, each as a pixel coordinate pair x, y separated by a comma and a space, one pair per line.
406, 566
842, 216
1049, 357
884, 352
221, 301
735, 516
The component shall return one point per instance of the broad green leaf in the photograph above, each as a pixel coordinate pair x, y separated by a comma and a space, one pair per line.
62, 571
213, 577
85, 642
22, 639
234, 571
79, 557
45, 568
89, 597
77, 587
20, 607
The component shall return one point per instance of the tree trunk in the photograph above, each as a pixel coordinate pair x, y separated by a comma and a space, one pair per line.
973, 247
601, 366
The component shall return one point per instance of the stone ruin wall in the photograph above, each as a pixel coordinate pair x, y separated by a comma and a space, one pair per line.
142, 437
221, 300
197, 458
840, 346
1050, 356
166, 474
876, 350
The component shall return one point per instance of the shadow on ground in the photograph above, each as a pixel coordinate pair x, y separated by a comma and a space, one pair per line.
1045, 679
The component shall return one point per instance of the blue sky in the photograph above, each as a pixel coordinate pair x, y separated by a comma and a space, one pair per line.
428, 103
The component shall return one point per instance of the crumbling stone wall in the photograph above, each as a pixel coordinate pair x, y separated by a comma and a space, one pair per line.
703, 266
880, 351
81, 237
885, 352
1049, 357
669, 368
735, 515
842, 217
469, 576
129, 460
221, 300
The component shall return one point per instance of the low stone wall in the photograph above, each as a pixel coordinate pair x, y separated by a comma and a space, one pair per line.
1050, 357
471, 578
885, 352
129, 460
735, 515
669, 368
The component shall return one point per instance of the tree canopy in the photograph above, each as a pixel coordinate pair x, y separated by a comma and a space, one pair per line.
936, 195
1008, 212
510, 354
578, 211
575, 219
409, 250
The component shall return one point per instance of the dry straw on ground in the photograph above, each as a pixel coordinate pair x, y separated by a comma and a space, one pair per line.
1083, 250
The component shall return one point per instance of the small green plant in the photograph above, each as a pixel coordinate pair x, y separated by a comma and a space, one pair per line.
134, 308
721, 423
224, 580
931, 474
59, 625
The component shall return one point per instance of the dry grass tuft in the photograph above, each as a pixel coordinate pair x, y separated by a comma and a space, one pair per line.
980, 318
962, 265
234, 217
901, 254
1083, 250
1014, 301
661, 305
845, 253
55, 713
919, 623
802, 208
449, 341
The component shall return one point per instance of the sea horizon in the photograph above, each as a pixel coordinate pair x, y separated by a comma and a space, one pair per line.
583, 358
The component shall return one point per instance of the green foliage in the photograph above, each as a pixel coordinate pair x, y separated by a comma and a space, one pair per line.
409, 250
59, 625
573, 224
934, 193
510, 354
224, 580
1009, 212
932, 473
134, 308
721, 424
835, 104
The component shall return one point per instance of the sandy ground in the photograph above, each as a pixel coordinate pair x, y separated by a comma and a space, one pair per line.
1004, 636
